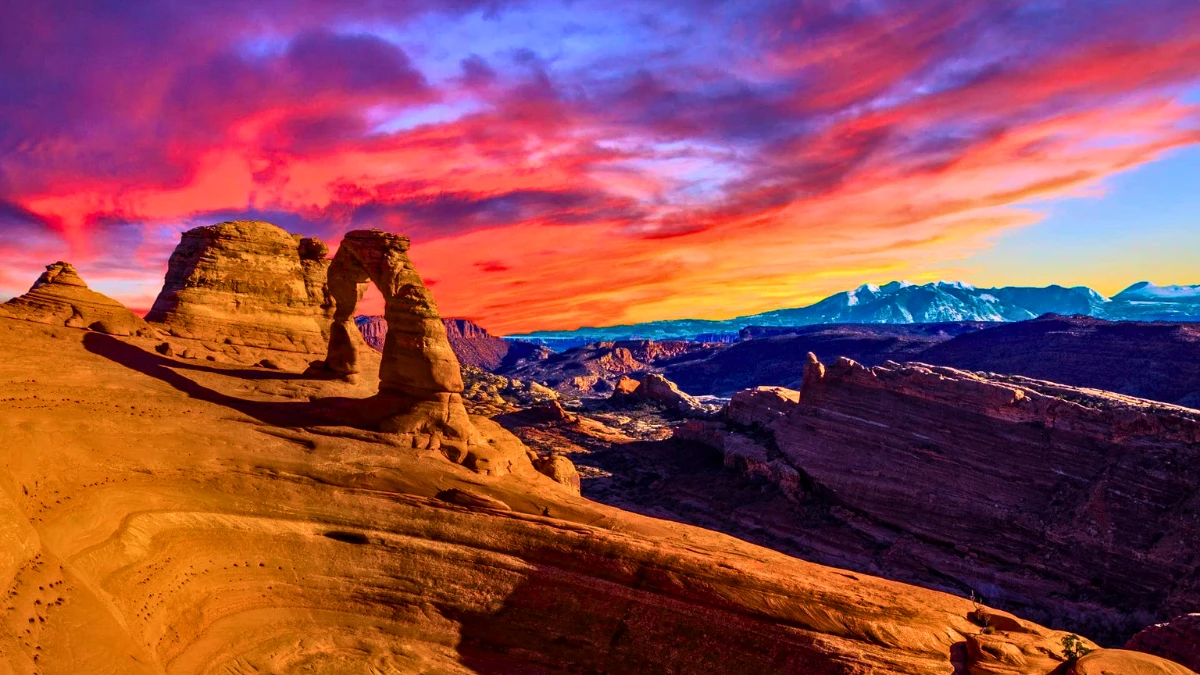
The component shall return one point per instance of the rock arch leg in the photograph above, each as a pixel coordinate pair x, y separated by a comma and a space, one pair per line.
420, 383
347, 283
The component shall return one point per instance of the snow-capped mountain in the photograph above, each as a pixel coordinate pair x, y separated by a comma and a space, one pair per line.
901, 302
1144, 290
938, 302
1145, 301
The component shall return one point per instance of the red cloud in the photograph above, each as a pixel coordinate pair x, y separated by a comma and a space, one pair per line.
840, 142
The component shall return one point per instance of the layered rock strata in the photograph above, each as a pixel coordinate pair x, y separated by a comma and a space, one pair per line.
61, 297
420, 381
247, 283
1008, 487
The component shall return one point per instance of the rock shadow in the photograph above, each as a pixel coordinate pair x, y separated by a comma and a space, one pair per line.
327, 411
598, 620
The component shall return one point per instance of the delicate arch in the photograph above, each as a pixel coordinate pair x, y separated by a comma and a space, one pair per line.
417, 358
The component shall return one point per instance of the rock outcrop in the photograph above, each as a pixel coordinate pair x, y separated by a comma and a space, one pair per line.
1159, 361
158, 519
60, 297
561, 470
594, 370
420, 381
1177, 640
247, 283
657, 390
774, 355
472, 344
1121, 662
1008, 487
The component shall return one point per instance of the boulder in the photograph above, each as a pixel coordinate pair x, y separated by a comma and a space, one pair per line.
656, 390
761, 405
247, 283
60, 297
561, 470
1177, 640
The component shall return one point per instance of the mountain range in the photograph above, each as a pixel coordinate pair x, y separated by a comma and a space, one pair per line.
901, 302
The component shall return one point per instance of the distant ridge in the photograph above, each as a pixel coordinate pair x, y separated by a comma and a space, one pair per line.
901, 302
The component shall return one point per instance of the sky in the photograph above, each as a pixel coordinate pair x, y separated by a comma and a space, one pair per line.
599, 162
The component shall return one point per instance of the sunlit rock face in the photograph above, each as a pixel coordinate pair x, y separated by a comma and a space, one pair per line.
61, 297
1004, 486
247, 283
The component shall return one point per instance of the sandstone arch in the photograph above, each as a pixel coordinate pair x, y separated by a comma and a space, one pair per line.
420, 383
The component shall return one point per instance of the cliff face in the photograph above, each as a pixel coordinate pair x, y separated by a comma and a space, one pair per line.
596, 368
472, 344
247, 283
1009, 487
1159, 361
774, 356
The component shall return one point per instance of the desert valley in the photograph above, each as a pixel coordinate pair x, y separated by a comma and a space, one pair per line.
253, 478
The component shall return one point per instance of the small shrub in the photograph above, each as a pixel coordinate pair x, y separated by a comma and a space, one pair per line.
1073, 648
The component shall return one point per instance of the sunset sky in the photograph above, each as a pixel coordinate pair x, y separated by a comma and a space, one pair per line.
560, 164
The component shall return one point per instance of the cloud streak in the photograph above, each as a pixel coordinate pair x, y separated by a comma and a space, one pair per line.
636, 161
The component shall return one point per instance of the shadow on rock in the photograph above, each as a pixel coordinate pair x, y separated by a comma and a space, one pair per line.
329, 411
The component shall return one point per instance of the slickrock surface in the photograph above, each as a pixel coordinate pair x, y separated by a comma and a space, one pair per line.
1159, 361
420, 381
60, 297
165, 516
1077, 507
1177, 640
247, 283
1120, 662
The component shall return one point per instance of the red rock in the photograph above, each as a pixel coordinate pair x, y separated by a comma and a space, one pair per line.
1177, 640
561, 470
250, 283
420, 381
1009, 486
1121, 662
656, 390
625, 386
61, 297
596, 368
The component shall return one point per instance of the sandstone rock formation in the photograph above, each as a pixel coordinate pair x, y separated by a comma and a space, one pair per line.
1120, 662
1159, 361
561, 470
595, 369
774, 356
657, 390
420, 382
164, 519
1177, 640
472, 344
60, 297
1008, 487
247, 283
